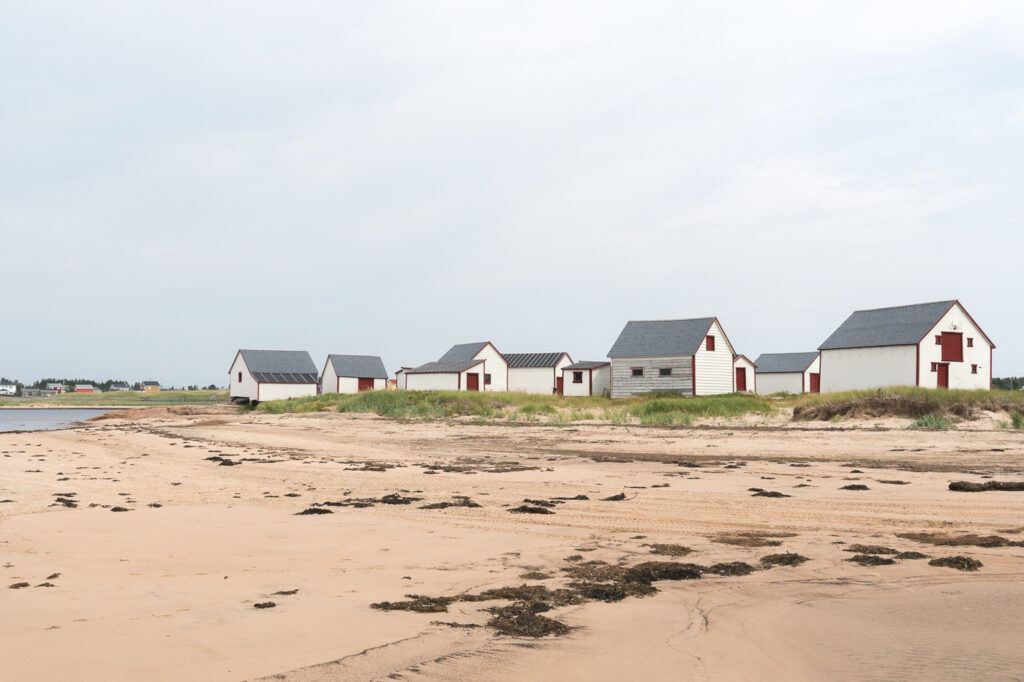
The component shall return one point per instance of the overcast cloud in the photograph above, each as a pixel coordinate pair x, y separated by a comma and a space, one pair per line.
181, 179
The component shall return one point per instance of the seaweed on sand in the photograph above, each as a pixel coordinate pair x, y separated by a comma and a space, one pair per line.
960, 563
786, 559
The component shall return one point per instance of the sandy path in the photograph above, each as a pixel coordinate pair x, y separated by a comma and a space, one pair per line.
167, 592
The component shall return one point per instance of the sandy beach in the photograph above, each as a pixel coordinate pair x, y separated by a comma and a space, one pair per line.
168, 588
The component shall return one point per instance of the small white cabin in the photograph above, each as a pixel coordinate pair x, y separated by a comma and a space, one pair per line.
690, 357
745, 370
465, 367
261, 375
536, 372
587, 377
789, 373
353, 374
934, 345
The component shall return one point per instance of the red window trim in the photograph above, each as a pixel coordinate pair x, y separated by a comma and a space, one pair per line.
935, 367
487, 379
974, 369
970, 342
709, 342
577, 377
938, 339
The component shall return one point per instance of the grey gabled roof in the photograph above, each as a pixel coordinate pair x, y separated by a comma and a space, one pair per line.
525, 360
776, 363
649, 338
900, 326
152, 383
444, 367
462, 351
358, 366
587, 364
280, 366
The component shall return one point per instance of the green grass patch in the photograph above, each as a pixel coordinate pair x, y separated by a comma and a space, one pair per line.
1017, 420
904, 401
123, 398
931, 422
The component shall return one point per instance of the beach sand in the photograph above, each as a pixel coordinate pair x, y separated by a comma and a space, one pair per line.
169, 591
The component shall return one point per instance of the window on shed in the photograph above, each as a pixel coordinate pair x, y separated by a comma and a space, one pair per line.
665, 372
709, 342
577, 377
487, 380
970, 342
974, 369
935, 367
637, 371
938, 339
239, 377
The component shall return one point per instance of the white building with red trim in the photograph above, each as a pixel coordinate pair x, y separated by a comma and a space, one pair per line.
745, 370
789, 373
539, 373
353, 374
934, 345
465, 367
261, 375
690, 357
586, 378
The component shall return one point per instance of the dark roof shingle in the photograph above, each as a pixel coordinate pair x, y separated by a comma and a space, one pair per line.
358, 366
587, 364
525, 360
648, 338
280, 366
771, 363
899, 326
462, 351
444, 366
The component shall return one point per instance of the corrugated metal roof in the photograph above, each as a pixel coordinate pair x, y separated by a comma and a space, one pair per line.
899, 326
444, 367
643, 338
358, 366
774, 363
286, 377
587, 364
278, 362
525, 360
462, 351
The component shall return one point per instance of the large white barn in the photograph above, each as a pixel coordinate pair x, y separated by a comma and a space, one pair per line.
935, 345
465, 367
536, 372
587, 377
259, 375
353, 374
691, 357
789, 373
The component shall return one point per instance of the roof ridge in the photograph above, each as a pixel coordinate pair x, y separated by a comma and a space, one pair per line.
907, 305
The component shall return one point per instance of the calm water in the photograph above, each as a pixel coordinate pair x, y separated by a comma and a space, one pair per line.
43, 419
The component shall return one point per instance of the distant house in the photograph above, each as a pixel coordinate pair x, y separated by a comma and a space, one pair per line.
151, 386
353, 374
8, 389
260, 375
536, 372
85, 388
465, 367
690, 357
789, 373
587, 377
120, 386
935, 345
400, 381
56, 387
746, 374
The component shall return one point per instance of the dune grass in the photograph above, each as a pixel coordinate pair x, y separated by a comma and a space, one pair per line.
931, 422
980, 399
660, 409
121, 398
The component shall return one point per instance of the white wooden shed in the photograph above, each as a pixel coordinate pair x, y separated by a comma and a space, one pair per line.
261, 375
587, 377
536, 372
745, 371
465, 367
353, 374
789, 373
691, 357
934, 345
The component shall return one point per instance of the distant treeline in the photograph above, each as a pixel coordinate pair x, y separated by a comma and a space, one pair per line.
1008, 383
101, 385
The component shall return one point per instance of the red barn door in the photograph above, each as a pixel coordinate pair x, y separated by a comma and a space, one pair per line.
741, 378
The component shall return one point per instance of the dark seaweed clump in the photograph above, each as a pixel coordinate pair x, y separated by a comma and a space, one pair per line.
527, 509
960, 563
732, 568
871, 560
911, 555
870, 549
457, 501
968, 487
614, 498
964, 540
855, 486
314, 510
669, 550
786, 559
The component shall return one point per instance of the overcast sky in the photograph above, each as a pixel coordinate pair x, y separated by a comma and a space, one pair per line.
181, 179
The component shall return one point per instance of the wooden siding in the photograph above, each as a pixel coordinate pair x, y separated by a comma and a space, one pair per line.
681, 381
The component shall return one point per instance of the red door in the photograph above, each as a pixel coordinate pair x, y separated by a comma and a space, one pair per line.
559, 383
952, 347
472, 382
365, 385
741, 378
943, 375
815, 382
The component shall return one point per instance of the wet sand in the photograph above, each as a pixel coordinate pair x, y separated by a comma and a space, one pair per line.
168, 591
